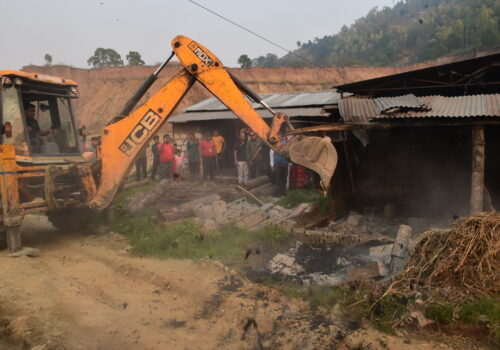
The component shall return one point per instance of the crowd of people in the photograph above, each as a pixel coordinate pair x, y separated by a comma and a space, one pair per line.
205, 158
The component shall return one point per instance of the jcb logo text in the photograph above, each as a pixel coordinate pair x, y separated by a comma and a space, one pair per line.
140, 133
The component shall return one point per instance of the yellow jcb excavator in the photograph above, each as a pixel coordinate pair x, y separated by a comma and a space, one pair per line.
42, 167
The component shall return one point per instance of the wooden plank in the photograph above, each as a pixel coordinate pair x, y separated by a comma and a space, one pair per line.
386, 125
477, 178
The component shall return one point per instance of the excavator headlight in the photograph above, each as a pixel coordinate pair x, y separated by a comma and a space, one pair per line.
73, 90
18, 82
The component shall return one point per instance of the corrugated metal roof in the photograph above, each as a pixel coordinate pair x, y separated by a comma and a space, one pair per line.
211, 115
409, 101
364, 110
283, 100
357, 110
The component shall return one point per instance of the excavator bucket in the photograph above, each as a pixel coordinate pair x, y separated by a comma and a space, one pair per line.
315, 153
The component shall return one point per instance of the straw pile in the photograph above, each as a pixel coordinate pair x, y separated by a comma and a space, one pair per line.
464, 260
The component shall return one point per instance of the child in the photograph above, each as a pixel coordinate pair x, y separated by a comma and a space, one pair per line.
179, 164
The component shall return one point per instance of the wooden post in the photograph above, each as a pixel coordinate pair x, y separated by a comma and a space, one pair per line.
477, 178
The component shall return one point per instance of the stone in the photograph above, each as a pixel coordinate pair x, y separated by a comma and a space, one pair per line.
381, 253
284, 265
219, 209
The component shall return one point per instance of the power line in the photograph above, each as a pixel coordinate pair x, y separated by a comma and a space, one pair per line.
258, 35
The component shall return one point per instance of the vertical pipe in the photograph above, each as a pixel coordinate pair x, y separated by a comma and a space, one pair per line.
477, 178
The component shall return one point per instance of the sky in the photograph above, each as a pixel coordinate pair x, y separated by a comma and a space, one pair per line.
71, 30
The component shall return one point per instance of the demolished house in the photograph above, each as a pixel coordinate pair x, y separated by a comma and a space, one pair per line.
416, 150
423, 143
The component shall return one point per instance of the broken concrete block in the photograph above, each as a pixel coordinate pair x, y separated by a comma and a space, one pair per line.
251, 219
219, 209
368, 271
285, 265
204, 212
402, 242
381, 253
400, 249
326, 280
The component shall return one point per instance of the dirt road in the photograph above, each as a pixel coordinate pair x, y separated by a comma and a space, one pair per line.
85, 292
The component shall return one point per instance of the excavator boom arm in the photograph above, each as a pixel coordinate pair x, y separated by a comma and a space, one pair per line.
126, 137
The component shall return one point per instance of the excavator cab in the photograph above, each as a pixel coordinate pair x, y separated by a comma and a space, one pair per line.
37, 118
42, 168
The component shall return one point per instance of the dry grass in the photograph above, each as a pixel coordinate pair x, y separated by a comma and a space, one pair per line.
464, 260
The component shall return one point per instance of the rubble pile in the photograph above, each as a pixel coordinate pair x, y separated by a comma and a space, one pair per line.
213, 207
356, 248
247, 215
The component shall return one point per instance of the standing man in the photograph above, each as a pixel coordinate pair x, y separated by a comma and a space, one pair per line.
220, 146
34, 130
193, 149
240, 159
208, 155
166, 150
255, 156
156, 156
279, 166
141, 163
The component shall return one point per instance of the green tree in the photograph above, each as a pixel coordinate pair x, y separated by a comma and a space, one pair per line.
48, 59
105, 58
134, 59
244, 61
271, 60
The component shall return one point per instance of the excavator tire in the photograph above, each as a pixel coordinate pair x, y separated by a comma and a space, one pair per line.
70, 219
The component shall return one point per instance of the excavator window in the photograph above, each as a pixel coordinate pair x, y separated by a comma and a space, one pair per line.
56, 134
12, 115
